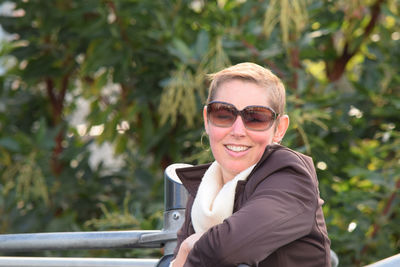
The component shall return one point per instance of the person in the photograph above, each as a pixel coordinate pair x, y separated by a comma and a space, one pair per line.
258, 203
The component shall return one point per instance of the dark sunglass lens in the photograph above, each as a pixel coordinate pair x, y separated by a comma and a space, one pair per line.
258, 119
221, 114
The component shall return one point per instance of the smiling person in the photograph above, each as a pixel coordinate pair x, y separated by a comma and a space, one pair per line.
258, 203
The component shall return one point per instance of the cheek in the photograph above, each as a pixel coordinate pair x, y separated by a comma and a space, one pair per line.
263, 139
216, 134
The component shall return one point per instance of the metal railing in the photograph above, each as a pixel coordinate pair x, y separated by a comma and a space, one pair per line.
393, 261
76, 262
175, 198
83, 240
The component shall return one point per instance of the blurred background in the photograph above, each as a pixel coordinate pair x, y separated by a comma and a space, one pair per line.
97, 97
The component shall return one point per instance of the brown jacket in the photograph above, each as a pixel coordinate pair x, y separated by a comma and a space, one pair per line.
277, 219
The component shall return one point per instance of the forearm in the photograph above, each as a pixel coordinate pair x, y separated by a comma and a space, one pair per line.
180, 259
184, 250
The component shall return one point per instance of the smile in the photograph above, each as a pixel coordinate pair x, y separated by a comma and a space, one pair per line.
237, 148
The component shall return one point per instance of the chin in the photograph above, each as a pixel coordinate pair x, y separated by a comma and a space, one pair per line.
239, 168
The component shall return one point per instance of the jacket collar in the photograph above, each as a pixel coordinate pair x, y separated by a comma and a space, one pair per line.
267, 152
191, 176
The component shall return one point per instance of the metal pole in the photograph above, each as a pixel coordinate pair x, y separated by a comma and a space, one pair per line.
82, 240
76, 262
175, 198
393, 261
175, 195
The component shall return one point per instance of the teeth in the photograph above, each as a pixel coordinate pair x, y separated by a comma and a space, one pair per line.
237, 148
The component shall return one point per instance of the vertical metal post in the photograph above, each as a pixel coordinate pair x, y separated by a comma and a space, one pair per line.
175, 198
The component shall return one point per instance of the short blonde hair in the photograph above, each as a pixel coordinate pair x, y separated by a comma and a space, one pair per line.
252, 73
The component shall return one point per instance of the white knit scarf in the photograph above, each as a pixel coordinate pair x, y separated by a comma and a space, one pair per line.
214, 199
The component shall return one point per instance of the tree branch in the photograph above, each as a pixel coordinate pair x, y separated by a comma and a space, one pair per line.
257, 53
122, 31
339, 65
294, 54
385, 213
53, 99
64, 88
50, 90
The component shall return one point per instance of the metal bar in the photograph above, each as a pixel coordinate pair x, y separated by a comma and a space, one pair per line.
76, 262
84, 240
393, 261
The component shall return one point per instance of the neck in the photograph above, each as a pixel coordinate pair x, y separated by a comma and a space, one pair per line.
226, 177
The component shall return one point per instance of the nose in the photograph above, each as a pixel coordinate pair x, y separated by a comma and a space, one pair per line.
238, 128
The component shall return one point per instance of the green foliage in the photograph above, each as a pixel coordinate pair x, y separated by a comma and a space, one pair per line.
139, 68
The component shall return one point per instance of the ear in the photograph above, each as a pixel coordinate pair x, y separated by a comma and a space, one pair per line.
205, 119
281, 128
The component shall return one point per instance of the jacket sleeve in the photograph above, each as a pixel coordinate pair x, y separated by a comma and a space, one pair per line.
280, 210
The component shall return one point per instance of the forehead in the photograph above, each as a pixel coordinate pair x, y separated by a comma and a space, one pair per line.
242, 93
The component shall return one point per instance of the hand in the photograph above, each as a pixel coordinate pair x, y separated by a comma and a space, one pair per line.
190, 241
185, 249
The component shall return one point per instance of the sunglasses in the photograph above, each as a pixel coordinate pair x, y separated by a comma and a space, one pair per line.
255, 118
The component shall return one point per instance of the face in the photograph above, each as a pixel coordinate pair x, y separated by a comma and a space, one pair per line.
236, 148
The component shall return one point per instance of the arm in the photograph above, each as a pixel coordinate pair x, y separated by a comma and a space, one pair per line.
279, 211
184, 249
